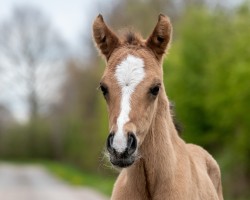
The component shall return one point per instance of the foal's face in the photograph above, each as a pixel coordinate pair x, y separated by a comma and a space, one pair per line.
131, 85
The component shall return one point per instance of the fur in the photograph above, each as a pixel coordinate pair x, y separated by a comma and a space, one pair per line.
167, 167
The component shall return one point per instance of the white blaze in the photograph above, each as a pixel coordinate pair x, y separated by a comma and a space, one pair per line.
129, 73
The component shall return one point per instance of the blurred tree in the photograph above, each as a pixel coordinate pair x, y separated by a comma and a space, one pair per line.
141, 14
6, 120
79, 118
27, 45
207, 75
6, 117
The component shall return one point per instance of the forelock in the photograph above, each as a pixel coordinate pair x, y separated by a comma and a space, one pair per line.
130, 37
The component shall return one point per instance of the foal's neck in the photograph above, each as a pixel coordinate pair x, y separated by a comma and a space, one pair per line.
159, 150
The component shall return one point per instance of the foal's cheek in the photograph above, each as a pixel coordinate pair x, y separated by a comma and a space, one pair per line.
140, 138
148, 115
143, 128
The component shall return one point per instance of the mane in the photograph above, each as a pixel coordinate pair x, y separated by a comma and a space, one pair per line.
177, 124
130, 37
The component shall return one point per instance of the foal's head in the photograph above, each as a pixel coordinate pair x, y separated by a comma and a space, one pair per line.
131, 84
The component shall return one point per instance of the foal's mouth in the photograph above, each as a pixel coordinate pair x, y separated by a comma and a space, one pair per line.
122, 162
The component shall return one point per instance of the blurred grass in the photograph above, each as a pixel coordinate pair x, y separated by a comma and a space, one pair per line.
73, 175
77, 177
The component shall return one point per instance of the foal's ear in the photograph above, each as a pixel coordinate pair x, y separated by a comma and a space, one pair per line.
104, 38
159, 40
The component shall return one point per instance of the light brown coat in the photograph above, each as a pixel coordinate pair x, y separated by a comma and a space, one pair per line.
167, 167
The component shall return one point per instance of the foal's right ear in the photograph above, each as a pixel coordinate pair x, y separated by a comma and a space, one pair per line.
104, 38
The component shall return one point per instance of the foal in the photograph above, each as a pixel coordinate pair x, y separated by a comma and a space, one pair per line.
156, 163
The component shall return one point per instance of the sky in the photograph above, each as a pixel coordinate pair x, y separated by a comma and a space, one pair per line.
66, 17
72, 19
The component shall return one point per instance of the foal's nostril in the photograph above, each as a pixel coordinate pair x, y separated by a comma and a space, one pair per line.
130, 149
132, 143
110, 143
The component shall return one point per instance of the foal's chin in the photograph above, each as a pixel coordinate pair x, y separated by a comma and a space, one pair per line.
122, 162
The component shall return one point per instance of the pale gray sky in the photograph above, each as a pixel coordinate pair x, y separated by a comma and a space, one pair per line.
69, 17
72, 19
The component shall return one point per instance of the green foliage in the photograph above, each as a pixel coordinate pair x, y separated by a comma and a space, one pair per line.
207, 76
26, 141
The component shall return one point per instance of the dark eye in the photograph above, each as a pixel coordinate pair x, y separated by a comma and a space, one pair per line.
155, 90
104, 90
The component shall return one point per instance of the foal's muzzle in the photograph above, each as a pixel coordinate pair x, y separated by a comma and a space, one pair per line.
126, 158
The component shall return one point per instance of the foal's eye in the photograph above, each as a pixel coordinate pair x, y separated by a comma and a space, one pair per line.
155, 90
104, 90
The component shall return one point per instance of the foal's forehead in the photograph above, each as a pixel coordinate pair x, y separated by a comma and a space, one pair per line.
133, 61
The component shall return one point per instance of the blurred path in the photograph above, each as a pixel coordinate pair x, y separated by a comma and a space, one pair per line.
32, 182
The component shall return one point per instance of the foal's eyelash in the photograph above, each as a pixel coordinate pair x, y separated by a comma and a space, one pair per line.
104, 89
100, 85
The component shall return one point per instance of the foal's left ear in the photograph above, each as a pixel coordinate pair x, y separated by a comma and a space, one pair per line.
104, 38
159, 40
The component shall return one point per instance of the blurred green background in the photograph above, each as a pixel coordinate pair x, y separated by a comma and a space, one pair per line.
207, 76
